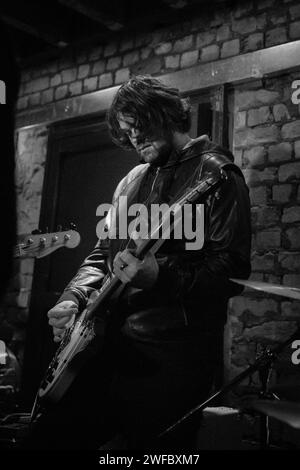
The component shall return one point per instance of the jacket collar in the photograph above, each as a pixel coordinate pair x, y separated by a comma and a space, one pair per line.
193, 149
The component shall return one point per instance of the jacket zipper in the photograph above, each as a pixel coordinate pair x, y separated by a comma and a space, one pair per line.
183, 311
153, 183
185, 318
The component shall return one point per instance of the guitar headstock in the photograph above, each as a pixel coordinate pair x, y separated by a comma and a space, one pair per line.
37, 245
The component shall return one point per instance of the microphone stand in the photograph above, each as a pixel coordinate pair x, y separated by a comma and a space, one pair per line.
264, 375
263, 364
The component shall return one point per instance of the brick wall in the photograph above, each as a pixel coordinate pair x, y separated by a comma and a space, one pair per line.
31, 147
252, 26
266, 143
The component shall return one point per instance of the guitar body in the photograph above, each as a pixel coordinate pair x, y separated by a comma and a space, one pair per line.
68, 360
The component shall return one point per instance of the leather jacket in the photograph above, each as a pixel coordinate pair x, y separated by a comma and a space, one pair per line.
192, 290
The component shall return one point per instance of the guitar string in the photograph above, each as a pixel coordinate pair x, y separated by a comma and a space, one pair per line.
125, 244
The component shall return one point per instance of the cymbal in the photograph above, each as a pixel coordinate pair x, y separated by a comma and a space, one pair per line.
285, 411
292, 292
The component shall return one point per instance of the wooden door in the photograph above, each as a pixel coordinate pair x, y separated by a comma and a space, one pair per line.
82, 170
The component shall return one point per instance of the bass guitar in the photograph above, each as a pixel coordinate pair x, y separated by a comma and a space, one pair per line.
66, 363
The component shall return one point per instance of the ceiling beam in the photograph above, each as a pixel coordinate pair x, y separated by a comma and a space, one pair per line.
93, 14
32, 31
238, 69
177, 4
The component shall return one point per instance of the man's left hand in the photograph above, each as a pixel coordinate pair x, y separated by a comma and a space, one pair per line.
139, 273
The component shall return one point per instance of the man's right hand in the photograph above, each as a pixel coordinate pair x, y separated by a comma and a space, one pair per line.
62, 317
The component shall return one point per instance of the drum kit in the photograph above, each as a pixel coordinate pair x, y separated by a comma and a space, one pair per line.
269, 404
285, 411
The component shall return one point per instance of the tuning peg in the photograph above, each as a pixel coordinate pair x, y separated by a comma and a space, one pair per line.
36, 232
73, 226
43, 241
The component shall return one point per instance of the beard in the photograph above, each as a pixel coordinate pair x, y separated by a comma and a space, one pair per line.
156, 153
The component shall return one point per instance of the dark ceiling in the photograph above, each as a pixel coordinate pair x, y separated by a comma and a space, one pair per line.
42, 29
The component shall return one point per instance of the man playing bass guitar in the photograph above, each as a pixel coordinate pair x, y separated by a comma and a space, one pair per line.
163, 332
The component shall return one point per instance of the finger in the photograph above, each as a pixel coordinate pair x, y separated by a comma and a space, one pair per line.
116, 258
65, 314
70, 322
59, 322
65, 304
138, 241
128, 257
58, 331
57, 339
121, 274
119, 263
59, 313
148, 256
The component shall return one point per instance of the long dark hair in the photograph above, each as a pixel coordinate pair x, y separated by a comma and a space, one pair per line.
156, 108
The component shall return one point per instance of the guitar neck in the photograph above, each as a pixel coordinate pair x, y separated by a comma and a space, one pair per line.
109, 287
153, 243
